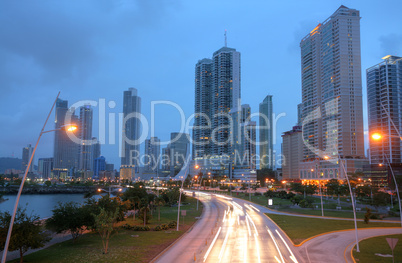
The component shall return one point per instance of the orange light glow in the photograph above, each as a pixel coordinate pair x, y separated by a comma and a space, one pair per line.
196, 167
376, 136
71, 128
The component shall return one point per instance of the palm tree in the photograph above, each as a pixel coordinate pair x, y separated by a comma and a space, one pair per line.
159, 201
135, 201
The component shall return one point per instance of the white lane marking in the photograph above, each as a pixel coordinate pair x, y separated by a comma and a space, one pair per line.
212, 244
292, 257
276, 244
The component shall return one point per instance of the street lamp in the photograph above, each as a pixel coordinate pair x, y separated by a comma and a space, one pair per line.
378, 136
67, 127
110, 190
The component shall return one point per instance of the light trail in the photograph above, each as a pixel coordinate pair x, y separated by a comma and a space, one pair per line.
224, 197
212, 244
248, 227
292, 257
255, 208
277, 259
276, 245
258, 248
251, 220
245, 248
224, 243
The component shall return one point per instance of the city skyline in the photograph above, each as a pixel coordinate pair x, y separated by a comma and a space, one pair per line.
253, 90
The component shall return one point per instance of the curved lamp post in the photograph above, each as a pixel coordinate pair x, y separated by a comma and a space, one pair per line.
68, 127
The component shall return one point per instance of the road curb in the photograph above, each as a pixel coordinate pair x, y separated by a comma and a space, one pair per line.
179, 238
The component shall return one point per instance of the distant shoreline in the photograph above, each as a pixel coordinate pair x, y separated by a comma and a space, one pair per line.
13, 190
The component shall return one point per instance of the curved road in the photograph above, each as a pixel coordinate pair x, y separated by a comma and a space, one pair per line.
232, 230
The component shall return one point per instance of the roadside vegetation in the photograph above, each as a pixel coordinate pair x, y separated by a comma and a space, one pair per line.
300, 228
372, 247
131, 227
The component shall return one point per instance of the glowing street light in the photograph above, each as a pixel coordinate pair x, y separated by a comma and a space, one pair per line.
71, 128
376, 136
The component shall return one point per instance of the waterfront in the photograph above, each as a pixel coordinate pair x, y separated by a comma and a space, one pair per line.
41, 205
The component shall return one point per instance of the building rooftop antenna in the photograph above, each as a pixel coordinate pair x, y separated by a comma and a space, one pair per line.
226, 40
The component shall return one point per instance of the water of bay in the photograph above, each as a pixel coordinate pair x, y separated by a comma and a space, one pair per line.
41, 205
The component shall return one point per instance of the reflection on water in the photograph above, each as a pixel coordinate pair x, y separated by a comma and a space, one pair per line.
41, 205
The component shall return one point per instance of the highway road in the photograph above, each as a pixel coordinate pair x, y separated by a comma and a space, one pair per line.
232, 230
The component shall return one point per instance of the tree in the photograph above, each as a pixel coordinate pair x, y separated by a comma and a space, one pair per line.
105, 225
144, 214
26, 234
68, 217
159, 201
48, 183
367, 215
381, 199
171, 196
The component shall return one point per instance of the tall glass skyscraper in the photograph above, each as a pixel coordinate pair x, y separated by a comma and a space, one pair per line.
384, 92
131, 127
332, 87
65, 158
85, 131
225, 96
202, 108
217, 92
266, 134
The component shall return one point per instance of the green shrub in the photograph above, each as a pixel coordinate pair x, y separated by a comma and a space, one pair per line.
172, 224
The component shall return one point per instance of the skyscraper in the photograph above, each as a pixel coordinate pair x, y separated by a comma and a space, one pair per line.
131, 128
266, 134
26, 155
384, 92
217, 91
45, 166
65, 150
292, 152
225, 96
202, 108
85, 134
178, 151
152, 154
96, 148
332, 87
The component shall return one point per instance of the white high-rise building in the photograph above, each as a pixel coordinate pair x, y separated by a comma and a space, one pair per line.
332, 113
332, 88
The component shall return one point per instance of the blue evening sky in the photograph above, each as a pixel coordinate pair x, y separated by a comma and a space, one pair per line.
92, 50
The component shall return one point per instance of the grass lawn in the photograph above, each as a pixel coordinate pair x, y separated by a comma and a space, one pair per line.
371, 246
123, 247
301, 228
317, 212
